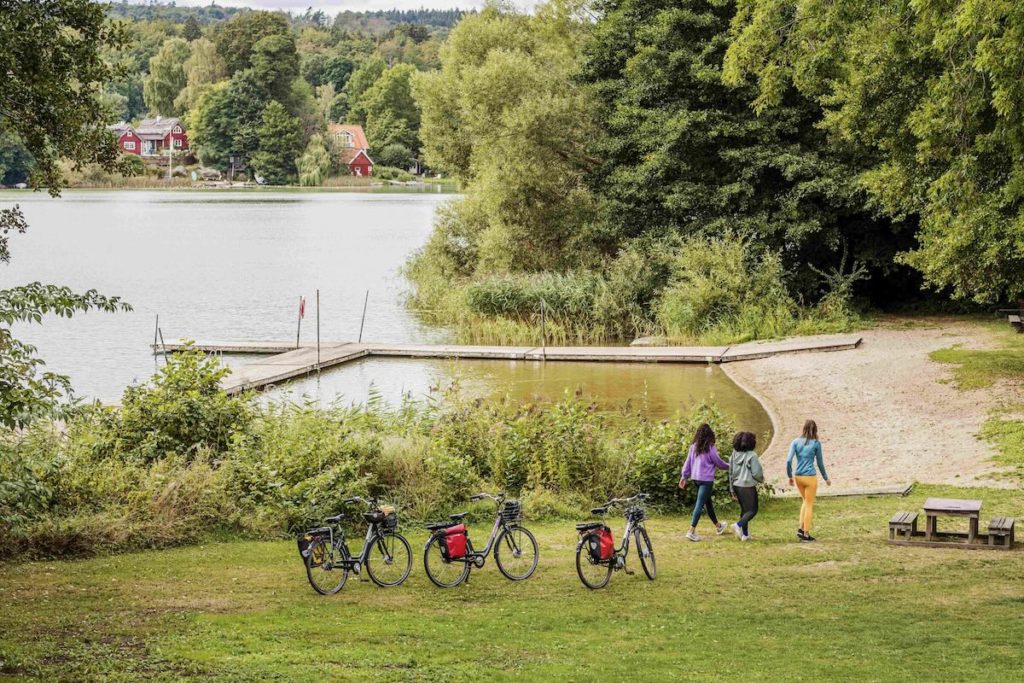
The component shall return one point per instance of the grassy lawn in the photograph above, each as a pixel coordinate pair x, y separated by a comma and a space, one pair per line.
848, 606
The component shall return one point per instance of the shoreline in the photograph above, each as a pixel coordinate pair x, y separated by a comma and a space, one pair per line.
888, 414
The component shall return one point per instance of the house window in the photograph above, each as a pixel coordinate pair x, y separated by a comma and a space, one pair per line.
177, 142
346, 139
177, 129
129, 146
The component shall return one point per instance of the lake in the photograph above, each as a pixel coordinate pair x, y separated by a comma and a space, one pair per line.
229, 265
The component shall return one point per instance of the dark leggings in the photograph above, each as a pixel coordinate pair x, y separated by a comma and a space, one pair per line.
747, 495
704, 489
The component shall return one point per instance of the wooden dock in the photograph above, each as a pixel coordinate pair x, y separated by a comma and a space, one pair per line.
285, 361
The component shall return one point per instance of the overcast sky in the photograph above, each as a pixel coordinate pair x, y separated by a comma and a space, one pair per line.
332, 7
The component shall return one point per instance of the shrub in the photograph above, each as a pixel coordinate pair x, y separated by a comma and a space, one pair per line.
395, 155
520, 295
720, 285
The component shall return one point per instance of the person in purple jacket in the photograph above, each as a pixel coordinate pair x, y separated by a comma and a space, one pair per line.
701, 463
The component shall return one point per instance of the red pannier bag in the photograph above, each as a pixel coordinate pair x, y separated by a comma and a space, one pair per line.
602, 545
455, 541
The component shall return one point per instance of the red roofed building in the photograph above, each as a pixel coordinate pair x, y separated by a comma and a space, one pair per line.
353, 149
128, 140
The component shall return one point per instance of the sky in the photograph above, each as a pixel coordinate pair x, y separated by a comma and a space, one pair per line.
332, 7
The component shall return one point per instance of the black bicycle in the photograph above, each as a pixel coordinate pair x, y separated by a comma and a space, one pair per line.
449, 554
596, 555
386, 555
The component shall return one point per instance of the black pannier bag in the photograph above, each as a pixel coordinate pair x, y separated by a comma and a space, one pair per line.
307, 540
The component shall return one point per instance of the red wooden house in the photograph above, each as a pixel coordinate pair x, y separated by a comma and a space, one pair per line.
353, 149
152, 136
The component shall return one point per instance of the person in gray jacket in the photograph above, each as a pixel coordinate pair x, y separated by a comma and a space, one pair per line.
745, 473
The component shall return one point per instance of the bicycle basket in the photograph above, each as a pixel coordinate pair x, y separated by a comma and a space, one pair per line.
637, 513
512, 511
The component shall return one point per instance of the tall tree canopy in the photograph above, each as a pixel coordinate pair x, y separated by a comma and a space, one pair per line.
167, 77
683, 152
237, 38
930, 91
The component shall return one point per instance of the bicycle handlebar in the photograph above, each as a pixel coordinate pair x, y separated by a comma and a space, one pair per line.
372, 502
619, 501
496, 498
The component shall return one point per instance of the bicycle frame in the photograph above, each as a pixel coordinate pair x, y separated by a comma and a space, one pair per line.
472, 555
373, 535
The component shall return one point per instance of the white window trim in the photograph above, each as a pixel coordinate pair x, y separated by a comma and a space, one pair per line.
130, 144
177, 129
177, 142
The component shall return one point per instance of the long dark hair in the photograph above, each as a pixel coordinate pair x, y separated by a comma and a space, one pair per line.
810, 432
703, 440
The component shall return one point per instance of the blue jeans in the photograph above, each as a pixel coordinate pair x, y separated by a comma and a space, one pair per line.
704, 489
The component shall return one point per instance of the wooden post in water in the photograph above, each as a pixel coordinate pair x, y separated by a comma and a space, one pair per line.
363, 320
298, 327
318, 331
156, 331
164, 345
543, 331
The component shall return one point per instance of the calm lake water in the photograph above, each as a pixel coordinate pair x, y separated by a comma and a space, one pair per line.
228, 265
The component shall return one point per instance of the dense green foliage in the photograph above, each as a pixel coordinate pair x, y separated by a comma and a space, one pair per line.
280, 137
929, 91
180, 460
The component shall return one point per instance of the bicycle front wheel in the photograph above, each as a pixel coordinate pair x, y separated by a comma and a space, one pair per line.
324, 569
444, 573
515, 552
646, 552
593, 574
389, 559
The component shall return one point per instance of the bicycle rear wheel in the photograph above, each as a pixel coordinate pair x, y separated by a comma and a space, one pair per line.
646, 552
444, 573
326, 573
515, 552
593, 574
389, 559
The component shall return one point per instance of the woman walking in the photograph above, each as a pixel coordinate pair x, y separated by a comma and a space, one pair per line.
745, 473
806, 450
701, 463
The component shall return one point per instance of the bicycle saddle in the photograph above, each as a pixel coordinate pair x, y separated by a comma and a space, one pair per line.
589, 525
458, 515
434, 526
335, 519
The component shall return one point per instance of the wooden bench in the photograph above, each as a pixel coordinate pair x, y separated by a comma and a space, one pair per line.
1015, 323
903, 523
1000, 532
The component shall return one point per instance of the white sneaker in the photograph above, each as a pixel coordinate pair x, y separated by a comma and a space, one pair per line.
738, 531
744, 538
720, 529
692, 536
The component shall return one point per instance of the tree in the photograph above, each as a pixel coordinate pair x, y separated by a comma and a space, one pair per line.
364, 76
930, 93
167, 77
315, 163
227, 118
389, 110
54, 107
276, 64
192, 31
203, 68
236, 38
395, 154
280, 143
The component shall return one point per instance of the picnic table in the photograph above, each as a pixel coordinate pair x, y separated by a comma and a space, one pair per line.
951, 507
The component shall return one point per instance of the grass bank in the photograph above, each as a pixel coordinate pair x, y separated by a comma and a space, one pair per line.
981, 368
848, 607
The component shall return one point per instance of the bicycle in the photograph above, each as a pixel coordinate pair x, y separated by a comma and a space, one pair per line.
449, 555
386, 555
596, 555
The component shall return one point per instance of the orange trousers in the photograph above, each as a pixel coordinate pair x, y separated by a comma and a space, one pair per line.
807, 486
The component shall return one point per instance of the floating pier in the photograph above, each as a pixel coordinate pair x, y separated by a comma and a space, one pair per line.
283, 360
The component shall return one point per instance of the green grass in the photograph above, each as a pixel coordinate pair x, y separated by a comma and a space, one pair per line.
847, 607
979, 369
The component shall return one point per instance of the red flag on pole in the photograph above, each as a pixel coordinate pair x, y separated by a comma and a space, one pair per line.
302, 307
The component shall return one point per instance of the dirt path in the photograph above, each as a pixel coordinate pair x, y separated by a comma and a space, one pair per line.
885, 412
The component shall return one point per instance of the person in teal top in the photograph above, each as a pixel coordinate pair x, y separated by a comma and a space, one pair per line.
806, 450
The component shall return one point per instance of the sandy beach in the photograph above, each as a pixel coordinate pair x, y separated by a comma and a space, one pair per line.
887, 414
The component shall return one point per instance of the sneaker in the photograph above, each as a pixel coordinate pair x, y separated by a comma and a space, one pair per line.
808, 538
744, 538
738, 531
720, 529
799, 534
692, 536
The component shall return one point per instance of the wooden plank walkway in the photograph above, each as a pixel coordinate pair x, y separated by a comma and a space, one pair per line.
289, 362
